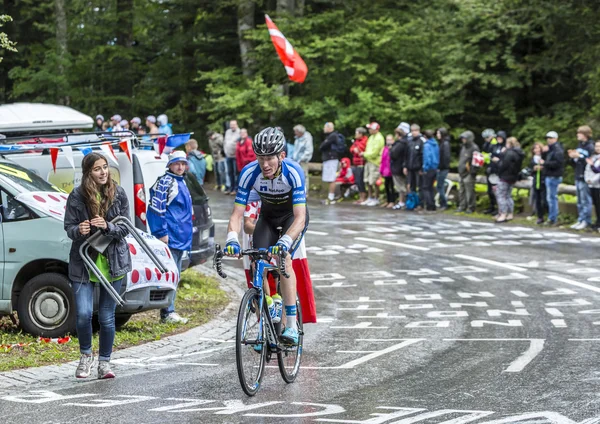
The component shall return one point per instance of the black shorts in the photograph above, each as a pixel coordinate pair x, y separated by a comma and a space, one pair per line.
266, 232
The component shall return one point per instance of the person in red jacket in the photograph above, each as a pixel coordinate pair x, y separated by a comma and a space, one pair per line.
358, 162
243, 150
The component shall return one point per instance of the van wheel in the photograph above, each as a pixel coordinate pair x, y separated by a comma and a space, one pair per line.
46, 306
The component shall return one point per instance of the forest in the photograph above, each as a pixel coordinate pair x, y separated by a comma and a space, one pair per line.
523, 66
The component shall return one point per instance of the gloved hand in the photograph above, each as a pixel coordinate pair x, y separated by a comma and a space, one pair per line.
282, 245
232, 248
232, 245
278, 249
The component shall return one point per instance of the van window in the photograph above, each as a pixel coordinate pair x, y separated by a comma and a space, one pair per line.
13, 210
196, 190
25, 178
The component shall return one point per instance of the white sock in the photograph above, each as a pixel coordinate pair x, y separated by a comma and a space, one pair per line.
331, 196
290, 317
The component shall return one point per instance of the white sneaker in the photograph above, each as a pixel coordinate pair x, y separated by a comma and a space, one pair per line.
582, 225
373, 202
174, 318
366, 202
575, 226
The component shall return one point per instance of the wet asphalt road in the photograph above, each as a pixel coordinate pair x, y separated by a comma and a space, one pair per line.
422, 318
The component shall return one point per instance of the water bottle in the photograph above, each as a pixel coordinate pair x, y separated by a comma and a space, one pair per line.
278, 302
272, 308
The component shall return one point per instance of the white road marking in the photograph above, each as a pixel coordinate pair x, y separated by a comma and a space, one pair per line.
364, 324
385, 351
362, 299
317, 233
575, 283
535, 347
392, 243
490, 262
336, 285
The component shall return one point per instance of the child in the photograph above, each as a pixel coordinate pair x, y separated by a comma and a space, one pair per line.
592, 178
345, 177
539, 185
385, 170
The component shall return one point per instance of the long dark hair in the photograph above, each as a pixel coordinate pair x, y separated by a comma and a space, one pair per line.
91, 190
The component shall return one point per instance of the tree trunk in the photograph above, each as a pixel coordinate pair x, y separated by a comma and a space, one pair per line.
125, 23
61, 40
245, 15
286, 7
300, 7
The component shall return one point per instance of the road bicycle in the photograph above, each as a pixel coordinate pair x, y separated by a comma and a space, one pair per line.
257, 338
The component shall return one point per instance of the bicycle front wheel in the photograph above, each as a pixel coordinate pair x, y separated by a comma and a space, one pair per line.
289, 357
250, 338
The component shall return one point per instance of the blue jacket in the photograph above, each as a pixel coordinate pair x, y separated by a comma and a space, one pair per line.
431, 155
165, 129
170, 211
197, 165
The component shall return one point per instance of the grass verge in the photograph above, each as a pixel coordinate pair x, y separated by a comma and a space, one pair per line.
199, 298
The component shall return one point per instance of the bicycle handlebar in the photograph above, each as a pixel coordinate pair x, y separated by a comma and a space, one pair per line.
255, 254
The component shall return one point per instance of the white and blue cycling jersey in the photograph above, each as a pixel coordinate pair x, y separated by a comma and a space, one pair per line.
280, 194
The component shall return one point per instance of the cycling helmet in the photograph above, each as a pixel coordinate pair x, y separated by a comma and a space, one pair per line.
488, 133
270, 141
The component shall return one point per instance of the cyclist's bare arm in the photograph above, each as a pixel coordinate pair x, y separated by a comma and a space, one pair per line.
235, 222
299, 222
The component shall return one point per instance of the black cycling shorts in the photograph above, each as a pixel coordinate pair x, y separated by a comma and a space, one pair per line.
266, 232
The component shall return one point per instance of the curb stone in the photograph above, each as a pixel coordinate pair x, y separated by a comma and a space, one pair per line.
222, 327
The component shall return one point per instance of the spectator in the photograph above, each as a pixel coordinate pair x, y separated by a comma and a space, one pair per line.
163, 125
398, 155
466, 173
386, 172
196, 160
244, 154
445, 157
232, 135
345, 177
135, 124
358, 162
509, 169
554, 166
215, 141
170, 218
105, 126
495, 151
115, 123
303, 150
578, 157
592, 177
330, 159
431, 162
414, 159
538, 185
124, 124
372, 155
151, 124
99, 122
490, 144
90, 208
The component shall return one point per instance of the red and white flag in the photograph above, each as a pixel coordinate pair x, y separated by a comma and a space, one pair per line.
293, 63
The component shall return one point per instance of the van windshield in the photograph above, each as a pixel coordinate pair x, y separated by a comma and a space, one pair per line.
24, 179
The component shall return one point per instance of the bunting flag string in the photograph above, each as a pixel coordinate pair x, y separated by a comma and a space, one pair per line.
86, 150
109, 152
68, 151
126, 147
54, 156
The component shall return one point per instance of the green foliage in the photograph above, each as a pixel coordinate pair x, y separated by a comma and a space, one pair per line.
5, 43
524, 66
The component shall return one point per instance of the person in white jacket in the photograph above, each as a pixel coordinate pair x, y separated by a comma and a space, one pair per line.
303, 150
592, 178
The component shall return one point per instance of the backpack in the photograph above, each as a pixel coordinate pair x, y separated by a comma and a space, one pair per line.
339, 146
412, 201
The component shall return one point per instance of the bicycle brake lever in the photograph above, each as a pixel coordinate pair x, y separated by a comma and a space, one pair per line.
282, 270
217, 258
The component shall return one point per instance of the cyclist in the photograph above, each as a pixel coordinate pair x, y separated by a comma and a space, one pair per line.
280, 184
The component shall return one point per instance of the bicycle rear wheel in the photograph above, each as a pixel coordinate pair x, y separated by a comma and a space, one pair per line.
289, 357
250, 334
